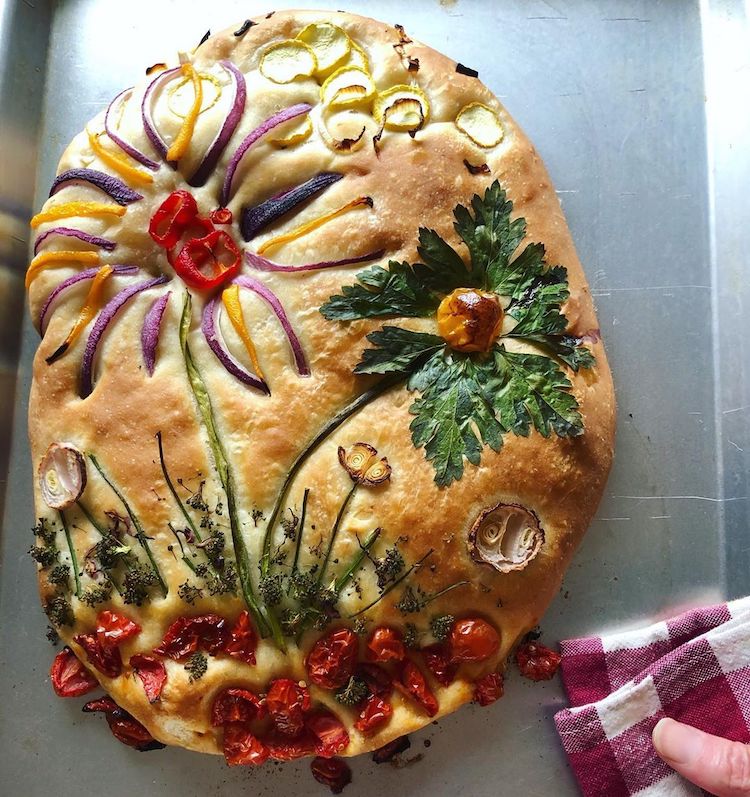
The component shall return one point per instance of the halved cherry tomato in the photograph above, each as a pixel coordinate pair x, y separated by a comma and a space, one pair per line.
241, 746
125, 728
378, 681
489, 689
106, 659
221, 216
473, 639
171, 217
210, 632
332, 659
374, 715
287, 703
329, 731
412, 683
332, 772
236, 705
537, 662
437, 659
113, 629
216, 252
153, 674
69, 677
289, 748
386, 644
243, 640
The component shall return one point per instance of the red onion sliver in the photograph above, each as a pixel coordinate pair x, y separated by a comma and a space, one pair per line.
102, 322
263, 264
112, 186
273, 121
272, 300
212, 333
237, 108
88, 274
151, 329
148, 123
121, 143
71, 232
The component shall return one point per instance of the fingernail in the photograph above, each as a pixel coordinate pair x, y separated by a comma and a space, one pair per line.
677, 743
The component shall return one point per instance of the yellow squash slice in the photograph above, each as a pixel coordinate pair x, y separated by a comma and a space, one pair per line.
287, 61
480, 124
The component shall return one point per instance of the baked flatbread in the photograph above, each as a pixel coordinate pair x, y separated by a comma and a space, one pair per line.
349, 379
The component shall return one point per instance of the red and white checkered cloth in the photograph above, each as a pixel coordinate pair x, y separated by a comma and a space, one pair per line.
694, 668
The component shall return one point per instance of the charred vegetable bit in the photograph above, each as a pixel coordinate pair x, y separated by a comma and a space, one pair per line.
482, 168
465, 70
244, 28
205, 38
389, 751
196, 666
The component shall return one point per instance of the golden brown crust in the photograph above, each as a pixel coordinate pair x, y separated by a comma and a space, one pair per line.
413, 182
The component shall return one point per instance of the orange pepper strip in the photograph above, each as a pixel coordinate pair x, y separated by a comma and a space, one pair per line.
231, 299
117, 162
69, 209
90, 307
303, 229
40, 262
181, 143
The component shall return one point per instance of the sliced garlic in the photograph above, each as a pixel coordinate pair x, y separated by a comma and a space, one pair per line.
480, 124
286, 61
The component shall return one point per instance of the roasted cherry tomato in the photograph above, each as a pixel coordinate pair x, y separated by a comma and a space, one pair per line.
437, 659
537, 662
69, 677
287, 703
221, 216
210, 632
241, 746
374, 715
124, 727
289, 748
329, 731
412, 683
106, 659
389, 751
473, 639
113, 629
378, 681
243, 640
386, 644
153, 674
236, 705
332, 659
332, 772
206, 263
489, 689
171, 218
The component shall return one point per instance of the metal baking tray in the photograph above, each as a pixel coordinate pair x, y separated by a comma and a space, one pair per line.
639, 109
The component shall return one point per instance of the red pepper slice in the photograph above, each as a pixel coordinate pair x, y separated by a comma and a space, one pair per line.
171, 217
216, 251
69, 677
221, 216
287, 704
198, 227
112, 629
153, 675
332, 772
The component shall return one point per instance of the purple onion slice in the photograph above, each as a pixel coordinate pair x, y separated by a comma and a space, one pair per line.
263, 264
151, 329
148, 123
258, 217
104, 319
88, 274
62, 476
273, 121
121, 143
112, 186
71, 232
212, 333
265, 293
236, 109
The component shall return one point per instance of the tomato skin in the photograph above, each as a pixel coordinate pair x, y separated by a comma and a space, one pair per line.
287, 703
329, 731
437, 659
236, 705
332, 772
385, 644
185, 635
331, 661
489, 689
242, 747
374, 715
286, 748
153, 675
378, 680
113, 629
537, 662
69, 677
243, 640
473, 639
125, 728
106, 659
412, 684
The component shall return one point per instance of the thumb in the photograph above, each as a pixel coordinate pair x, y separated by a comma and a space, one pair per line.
717, 765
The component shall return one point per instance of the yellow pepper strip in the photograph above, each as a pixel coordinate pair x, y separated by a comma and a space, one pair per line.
90, 307
181, 143
117, 162
68, 209
40, 262
303, 229
231, 299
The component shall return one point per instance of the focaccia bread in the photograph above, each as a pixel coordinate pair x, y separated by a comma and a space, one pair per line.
320, 411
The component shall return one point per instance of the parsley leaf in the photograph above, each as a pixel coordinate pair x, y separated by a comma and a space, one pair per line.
443, 269
397, 351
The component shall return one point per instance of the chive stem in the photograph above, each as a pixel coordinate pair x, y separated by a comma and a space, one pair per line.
348, 574
302, 516
172, 489
104, 533
72, 551
335, 531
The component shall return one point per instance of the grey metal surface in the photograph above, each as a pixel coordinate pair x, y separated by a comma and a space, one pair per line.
639, 109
